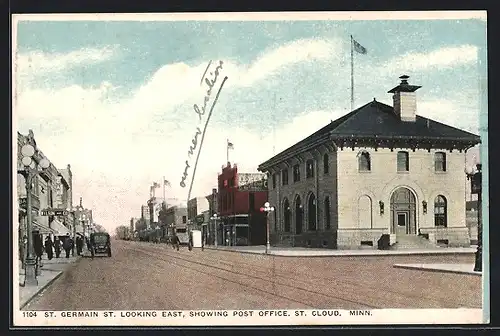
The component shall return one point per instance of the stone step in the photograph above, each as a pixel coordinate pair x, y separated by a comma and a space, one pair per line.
412, 242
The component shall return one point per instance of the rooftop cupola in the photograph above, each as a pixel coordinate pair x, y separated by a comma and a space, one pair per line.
405, 100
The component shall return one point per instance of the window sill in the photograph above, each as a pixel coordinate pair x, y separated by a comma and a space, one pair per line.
364, 171
403, 171
440, 172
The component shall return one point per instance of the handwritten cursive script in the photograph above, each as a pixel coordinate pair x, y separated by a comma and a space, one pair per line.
210, 83
201, 112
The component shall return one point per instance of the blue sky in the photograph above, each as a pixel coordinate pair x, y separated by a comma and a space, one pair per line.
115, 99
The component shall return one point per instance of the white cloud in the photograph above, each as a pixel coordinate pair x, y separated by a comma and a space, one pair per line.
40, 62
114, 153
35, 63
295, 52
440, 58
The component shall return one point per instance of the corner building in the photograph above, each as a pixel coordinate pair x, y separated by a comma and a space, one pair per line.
377, 172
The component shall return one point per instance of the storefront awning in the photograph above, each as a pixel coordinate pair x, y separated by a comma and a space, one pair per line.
42, 228
59, 228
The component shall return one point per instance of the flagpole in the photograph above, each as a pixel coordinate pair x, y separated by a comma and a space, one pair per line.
164, 199
352, 75
227, 151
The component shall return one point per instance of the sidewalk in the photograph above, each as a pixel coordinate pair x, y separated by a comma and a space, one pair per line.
317, 252
445, 268
51, 270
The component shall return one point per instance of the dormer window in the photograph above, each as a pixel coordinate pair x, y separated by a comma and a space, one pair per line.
309, 169
364, 161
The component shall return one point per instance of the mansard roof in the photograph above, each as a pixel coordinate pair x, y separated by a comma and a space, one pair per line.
379, 123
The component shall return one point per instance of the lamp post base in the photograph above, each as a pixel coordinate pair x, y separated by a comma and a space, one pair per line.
30, 273
38, 267
268, 247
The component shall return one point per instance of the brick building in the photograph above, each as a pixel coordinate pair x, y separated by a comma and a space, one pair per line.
238, 202
378, 171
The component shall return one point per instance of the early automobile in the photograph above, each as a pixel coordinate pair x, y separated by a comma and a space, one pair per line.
101, 243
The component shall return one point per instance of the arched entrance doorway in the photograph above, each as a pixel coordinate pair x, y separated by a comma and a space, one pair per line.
403, 212
298, 215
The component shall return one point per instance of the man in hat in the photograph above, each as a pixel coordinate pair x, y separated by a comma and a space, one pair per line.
68, 244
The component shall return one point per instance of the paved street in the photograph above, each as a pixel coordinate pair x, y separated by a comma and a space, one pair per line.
147, 276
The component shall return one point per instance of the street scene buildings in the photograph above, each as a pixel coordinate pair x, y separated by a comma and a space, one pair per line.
275, 165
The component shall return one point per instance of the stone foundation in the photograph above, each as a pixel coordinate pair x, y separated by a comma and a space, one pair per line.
359, 238
320, 239
450, 236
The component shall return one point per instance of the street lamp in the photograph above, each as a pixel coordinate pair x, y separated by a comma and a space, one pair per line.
267, 209
214, 218
30, 171
475, 176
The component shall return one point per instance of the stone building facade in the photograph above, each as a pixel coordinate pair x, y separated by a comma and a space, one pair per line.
377, 172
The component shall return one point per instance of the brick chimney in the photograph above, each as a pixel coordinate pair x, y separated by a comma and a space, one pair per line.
405, 100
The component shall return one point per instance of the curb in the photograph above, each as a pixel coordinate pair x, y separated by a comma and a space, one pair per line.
432, 253
40, 290
417, 268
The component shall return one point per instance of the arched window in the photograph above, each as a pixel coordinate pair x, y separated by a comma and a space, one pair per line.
298, 215
309, 168
326, 164
364, 161
287, 215
296, 173
440, 161
327, 213
440, 211
275, 222
311, 213
365, 212
284, 177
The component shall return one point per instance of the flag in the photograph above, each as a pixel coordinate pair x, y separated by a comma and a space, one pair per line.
166, 183
230, 145
358, 47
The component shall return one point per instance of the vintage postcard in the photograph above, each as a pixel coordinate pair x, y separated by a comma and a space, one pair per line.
247, 169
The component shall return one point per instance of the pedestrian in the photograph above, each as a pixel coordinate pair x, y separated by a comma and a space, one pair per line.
89, 245
22, 251
57, 246
79, 245
67, 244
190, 241
176, 242
49, 248
38, 246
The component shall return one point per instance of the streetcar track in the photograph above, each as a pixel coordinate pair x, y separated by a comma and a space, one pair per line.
227, 279
264, 270
362, 304
335, 281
